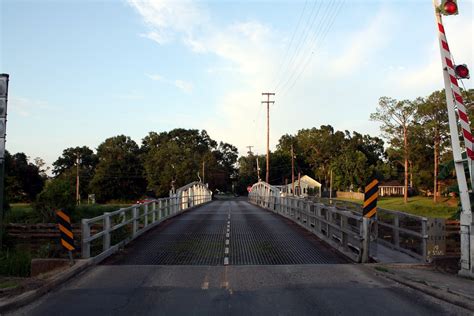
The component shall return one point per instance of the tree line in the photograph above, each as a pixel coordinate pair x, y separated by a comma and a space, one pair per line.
413, 149
121, 170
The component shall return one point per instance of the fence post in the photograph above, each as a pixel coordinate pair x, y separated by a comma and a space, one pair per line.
424, 243
145, 207
134, 221
86, 233
365, 240
396, 231
153, 210
160, 209
106, 237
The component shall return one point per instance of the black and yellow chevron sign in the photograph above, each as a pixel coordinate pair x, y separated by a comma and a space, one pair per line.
370, 198
65, 228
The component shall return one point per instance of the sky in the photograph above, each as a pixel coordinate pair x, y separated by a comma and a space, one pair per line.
83, 71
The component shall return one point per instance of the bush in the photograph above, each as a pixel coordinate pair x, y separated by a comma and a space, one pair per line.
15, 263
58, 194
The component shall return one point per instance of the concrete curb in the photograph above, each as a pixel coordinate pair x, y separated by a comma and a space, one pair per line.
28, 297
445, 295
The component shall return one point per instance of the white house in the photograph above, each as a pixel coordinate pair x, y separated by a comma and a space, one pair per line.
301, 187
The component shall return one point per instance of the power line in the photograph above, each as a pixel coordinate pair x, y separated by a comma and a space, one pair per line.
322, 33
304, 34
290, 43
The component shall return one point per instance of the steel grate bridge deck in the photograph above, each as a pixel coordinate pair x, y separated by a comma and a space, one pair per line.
252, 236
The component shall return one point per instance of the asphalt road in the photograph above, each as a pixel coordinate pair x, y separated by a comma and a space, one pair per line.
170, 278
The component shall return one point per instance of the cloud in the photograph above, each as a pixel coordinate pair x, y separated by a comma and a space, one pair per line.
184, 86
363, 44
133, 95
428, 75
166, 18
26, 107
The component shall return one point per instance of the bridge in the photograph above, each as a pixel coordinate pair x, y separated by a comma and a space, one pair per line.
265, 254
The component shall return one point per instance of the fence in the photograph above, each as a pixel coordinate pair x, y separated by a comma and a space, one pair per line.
341, 224
350, 195
413, 235
403, 232
345, 231
115, 229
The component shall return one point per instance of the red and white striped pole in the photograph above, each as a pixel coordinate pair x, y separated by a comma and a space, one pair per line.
458, 101
454, 101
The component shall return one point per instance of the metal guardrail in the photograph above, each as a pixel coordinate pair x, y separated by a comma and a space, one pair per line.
141, 218
345, 231
403, 232
399, 231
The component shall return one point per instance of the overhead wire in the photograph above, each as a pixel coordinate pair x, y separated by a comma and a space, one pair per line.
290, 43
304, 33
314, 38
316, 46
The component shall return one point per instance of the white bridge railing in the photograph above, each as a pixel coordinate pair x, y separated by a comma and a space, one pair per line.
106, 233
345, 231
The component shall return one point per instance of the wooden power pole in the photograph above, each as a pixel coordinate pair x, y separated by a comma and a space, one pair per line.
268, 94
292, 170
203, 170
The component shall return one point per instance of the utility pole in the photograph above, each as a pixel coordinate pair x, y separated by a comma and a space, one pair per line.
203, 168
330, 187
268, 94
78, 196
258, 171
299, 183
250, 150
292, 170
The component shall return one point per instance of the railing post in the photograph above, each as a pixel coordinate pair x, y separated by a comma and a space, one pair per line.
396, 231
145, 207
365, 240
134, 221
424, 243
153, 210
160, 209
106, 237
86, 233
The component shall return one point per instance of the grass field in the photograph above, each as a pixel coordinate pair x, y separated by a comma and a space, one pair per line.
419, 205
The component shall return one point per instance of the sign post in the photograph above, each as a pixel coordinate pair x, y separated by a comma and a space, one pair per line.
65, 228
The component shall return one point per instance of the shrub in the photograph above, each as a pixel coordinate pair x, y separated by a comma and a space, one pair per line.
59, 193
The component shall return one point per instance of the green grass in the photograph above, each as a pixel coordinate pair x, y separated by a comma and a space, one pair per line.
9, 284
418, 205
24, 213
15, 263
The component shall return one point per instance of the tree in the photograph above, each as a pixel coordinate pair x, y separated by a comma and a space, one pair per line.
177, 157
69, 157
433, 115
358, 161
66, 166
119, 173
396, 118
23, 180
58, 194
